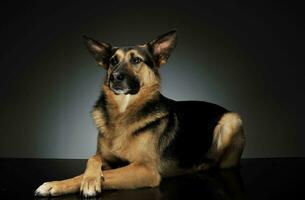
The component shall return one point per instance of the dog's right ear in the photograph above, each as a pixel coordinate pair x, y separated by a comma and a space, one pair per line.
101, 51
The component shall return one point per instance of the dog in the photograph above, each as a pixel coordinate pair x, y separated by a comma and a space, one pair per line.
144, 136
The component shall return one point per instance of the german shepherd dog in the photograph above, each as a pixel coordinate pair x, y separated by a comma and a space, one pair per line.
144, 136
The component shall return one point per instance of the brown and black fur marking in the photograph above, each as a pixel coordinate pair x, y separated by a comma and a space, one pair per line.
144, 136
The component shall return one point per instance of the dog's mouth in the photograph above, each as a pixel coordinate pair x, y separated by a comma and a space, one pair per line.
128, 86
118, 89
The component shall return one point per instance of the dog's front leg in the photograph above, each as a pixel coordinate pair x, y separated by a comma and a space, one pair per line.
89, 183
131, 176
93, 177
57, 188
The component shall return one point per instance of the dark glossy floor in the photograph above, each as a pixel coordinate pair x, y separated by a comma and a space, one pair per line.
256, 179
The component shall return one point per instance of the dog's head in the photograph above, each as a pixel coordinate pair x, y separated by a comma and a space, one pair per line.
133, 67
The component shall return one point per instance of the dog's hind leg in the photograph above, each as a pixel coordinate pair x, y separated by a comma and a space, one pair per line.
228, 141
231, 156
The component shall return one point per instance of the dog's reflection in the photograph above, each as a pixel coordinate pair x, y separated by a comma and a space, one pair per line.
220, 185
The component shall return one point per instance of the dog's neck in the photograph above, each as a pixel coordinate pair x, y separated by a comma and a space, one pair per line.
126, 103
123, 103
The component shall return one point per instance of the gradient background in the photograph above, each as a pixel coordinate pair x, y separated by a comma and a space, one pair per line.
248, 57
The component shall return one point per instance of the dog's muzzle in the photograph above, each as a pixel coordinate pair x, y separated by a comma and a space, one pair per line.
121, 83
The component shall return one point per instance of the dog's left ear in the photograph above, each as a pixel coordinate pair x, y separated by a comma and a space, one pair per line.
163, 45
101, 51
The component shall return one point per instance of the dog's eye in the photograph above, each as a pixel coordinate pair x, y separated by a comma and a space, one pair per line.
113, 61
136, 60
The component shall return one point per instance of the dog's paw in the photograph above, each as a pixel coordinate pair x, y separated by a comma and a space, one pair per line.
48, 189
91, 185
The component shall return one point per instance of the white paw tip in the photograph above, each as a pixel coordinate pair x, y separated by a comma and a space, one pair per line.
43, 190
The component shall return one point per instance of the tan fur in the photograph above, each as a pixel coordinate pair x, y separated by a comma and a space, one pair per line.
120, 54
124, 103
117, 140
132, 176
56, 188
93, 176
228, 141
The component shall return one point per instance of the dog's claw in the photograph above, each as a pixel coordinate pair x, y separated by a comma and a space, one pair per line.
91, 186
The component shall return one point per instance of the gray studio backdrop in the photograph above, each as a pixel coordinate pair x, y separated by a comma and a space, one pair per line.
241, 56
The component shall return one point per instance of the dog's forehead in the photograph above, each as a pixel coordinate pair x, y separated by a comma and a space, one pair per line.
131, 50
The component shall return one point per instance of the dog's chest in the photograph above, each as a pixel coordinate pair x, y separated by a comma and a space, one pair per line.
124, 145
118, 140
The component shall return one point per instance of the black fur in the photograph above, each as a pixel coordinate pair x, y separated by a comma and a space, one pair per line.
101, 104
148, 58
194, 131
150, 126
191, 122
150, 107
145, 52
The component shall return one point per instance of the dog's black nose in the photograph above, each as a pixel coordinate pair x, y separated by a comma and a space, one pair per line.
117, 77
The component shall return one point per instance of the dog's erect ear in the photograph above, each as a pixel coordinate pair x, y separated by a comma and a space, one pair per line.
101, 51
163, 45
